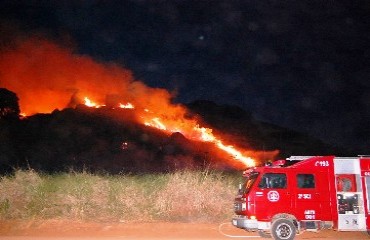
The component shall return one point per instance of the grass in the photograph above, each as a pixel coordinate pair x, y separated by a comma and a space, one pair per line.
191, 196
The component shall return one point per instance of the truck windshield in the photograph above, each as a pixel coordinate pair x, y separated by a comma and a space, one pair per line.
248, 183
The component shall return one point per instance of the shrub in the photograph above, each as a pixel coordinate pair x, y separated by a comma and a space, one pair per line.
179, 196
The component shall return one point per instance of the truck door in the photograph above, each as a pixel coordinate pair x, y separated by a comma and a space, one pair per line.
307, 203
272, 195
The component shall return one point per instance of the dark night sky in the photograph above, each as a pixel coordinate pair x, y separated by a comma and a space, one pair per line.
301, 64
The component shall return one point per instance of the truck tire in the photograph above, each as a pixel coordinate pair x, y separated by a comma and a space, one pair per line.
283, 229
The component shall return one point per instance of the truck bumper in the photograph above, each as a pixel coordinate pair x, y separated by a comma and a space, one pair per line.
245, 223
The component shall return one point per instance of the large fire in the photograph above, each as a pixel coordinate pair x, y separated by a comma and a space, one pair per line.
46, 77
188, 128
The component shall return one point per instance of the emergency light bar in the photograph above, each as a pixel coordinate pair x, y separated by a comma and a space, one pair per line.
278, 163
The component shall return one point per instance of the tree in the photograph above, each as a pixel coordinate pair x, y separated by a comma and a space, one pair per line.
9, 107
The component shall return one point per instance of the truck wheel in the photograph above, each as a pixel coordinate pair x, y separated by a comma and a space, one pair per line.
264, 234
283, 229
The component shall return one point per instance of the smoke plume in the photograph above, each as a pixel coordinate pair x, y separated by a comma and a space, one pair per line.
47, 76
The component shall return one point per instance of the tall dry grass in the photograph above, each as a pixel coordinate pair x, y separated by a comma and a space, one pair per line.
195, 196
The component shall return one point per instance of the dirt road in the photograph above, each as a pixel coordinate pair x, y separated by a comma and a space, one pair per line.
66, 230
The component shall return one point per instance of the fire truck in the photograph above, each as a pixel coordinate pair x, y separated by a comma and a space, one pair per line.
301, 193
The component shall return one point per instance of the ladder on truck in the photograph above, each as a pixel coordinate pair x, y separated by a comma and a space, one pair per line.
299, 158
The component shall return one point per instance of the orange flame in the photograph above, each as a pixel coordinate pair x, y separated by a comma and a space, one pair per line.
155, 122
127, 105
248, 161
22, 115
90, 103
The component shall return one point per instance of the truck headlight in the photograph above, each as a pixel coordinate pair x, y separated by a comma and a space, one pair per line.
244, 206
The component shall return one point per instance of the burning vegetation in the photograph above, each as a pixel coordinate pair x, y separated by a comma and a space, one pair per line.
47, 77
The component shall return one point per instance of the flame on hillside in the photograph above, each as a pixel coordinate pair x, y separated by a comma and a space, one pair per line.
127, 105
46, 77
192, 131
90, 103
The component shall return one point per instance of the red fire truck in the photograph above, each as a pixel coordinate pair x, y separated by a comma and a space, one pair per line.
311, 193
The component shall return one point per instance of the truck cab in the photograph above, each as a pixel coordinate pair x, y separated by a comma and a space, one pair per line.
311, 193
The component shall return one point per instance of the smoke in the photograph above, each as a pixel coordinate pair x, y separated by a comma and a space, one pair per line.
47, 76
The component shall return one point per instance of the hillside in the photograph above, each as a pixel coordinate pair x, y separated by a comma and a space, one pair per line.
111, 140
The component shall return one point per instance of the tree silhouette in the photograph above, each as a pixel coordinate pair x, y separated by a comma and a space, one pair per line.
9, 107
